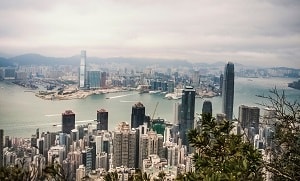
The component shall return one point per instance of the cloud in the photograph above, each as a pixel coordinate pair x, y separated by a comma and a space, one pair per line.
249, 31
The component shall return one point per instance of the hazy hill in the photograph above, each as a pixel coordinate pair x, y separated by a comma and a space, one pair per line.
37, 59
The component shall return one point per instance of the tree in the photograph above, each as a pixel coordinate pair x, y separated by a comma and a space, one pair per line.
285, 150
221, 155
111, 176
139, 176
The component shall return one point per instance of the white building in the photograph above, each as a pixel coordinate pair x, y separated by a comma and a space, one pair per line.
82, 70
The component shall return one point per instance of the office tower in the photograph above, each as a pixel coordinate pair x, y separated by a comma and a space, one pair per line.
196, 78
38, 133
124, 146
81, 131
177, 113
1, 147
221, 83
7, 142
102, 119
93, 151
94, 79
74, 136
171, 86
33, 141
87, 159
41, 145
82, 70
137, 115
228, 90
68, 121
103, 79
187, 114
207, 107
249, 117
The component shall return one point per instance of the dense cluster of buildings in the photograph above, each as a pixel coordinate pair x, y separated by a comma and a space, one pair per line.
151, 145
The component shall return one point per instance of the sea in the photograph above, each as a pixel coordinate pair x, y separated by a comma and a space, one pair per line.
21, 112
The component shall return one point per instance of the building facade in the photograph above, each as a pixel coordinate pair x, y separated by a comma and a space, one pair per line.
228, 90
207, 107
82, 70
68, 121
187, 113
137, 115
94, 79
124, 146
102, 119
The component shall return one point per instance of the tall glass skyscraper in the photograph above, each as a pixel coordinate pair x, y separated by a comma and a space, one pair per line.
82, 70
1, 147
94, 79
207, 107
68, 121
187, 114
228, 90
102, 119
137, 115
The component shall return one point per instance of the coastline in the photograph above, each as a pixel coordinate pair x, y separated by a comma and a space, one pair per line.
75, 93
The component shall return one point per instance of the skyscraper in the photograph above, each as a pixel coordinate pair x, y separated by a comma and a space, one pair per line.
137, 115
82, 70
102, 119
94, 79
249, 117
221, 83
68, 121
1, 147
207, 107
187, 113
228, 90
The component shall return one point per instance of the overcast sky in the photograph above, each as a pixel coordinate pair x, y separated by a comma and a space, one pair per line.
265, 32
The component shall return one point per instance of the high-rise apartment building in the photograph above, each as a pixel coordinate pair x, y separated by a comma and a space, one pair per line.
207, 107
68, 121
137, 115
228, 90
102, 119
150, 143
82, 70
124, 146
187, 113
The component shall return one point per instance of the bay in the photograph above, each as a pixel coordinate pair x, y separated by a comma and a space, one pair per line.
21, 112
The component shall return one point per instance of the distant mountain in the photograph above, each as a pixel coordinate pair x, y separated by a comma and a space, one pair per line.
37, 59
5, 62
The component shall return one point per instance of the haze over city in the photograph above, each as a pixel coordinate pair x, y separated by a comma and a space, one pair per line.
265, 33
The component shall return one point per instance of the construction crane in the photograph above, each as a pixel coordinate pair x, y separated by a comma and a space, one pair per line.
154, 111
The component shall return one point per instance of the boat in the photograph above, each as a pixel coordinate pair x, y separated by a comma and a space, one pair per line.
155, 92
295, 85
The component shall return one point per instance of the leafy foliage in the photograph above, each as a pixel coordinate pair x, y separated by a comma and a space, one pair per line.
285, 151
221, 155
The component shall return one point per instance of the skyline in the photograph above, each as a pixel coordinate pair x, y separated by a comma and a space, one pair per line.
256, 32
